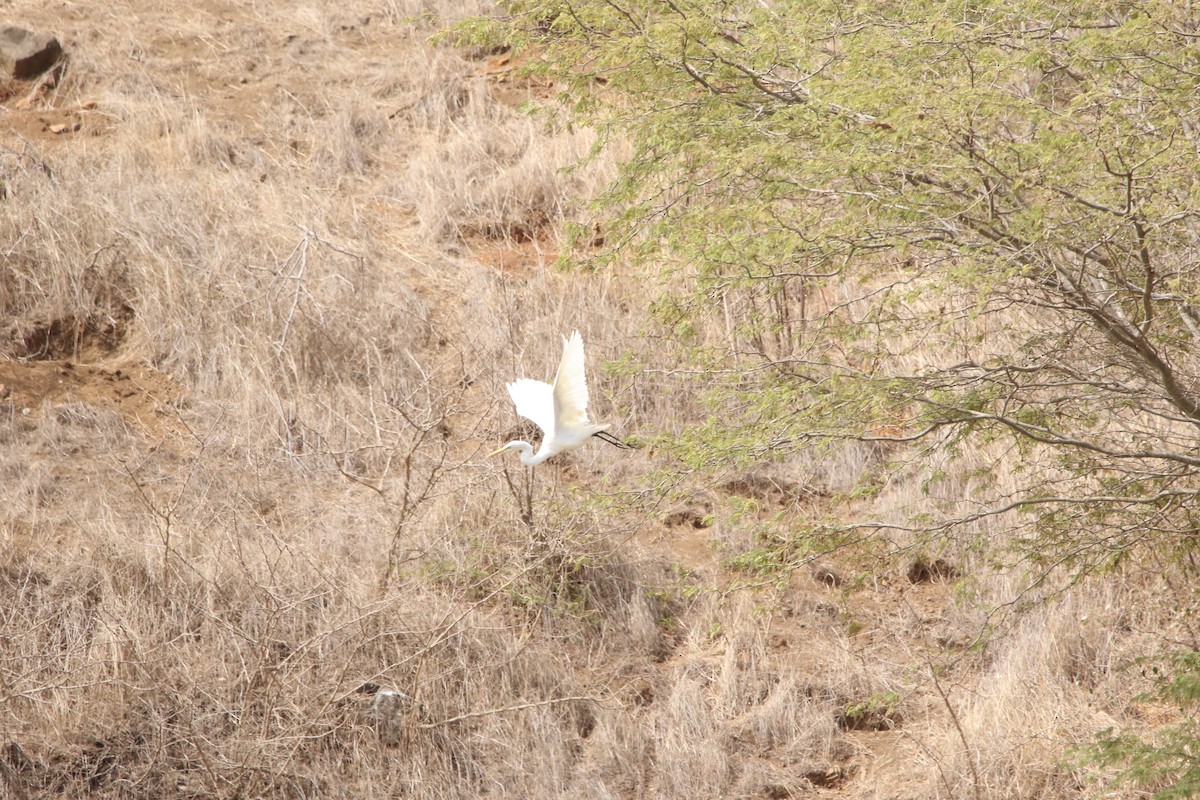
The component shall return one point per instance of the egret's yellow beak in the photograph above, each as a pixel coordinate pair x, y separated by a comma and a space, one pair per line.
496, 452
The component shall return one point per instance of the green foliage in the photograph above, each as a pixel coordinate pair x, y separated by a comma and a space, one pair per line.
953, 225
1169, 765
958, 223
777, 553
876, 712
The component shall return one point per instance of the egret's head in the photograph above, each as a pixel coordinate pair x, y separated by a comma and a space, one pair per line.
508, 446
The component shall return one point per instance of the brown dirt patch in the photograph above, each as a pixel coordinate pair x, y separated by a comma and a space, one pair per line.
511, 82
143, 396
53, 123
513, 257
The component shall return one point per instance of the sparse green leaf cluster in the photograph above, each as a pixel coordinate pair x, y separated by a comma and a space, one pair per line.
1170, 764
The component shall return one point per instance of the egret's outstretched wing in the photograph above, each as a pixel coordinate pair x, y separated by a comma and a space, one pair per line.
570, 385
535, 402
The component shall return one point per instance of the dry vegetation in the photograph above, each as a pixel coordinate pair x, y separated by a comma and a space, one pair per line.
259, 298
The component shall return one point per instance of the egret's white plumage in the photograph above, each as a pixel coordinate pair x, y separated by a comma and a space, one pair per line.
559, 409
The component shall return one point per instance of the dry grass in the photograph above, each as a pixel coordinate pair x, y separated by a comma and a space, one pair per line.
254, 349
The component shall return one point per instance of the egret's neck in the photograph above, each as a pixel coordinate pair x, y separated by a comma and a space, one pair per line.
528, 457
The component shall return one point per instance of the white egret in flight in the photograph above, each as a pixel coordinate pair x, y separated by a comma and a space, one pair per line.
559, 409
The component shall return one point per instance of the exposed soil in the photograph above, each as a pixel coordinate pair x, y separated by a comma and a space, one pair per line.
58, 362
144, 397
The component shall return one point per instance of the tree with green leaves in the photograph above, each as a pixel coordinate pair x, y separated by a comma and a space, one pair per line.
932, 223
932, 220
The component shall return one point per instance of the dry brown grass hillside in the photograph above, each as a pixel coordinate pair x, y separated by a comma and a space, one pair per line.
264, 270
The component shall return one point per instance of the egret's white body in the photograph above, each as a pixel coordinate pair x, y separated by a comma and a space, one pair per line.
559, 409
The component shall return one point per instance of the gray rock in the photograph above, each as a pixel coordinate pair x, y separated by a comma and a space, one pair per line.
25, 54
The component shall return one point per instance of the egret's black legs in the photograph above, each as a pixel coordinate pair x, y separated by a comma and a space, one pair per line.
605, 436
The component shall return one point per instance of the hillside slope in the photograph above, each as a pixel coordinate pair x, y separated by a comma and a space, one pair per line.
266, 268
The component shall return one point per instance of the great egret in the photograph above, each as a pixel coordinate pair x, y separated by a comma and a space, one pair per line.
559, 409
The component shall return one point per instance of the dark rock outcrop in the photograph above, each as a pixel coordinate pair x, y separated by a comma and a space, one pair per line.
25, 54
